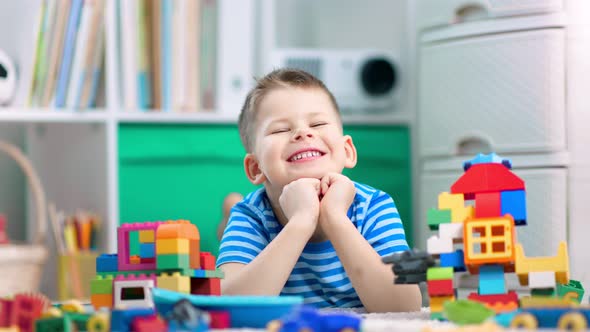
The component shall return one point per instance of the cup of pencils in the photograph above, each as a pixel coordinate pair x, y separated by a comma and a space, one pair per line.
76, 239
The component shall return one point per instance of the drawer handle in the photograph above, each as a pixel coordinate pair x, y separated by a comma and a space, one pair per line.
472, 145
471, 12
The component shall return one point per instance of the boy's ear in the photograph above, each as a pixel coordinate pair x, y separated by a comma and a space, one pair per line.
253, 171
350, 150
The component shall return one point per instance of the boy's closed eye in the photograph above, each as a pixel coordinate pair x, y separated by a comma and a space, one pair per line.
318, 124
278, 131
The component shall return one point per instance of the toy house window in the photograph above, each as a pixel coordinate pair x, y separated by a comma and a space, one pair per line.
132, 293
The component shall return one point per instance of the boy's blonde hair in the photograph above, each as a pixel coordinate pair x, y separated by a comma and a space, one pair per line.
277, 79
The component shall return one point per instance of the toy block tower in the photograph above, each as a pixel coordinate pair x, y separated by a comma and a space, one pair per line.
154, 254
476, 223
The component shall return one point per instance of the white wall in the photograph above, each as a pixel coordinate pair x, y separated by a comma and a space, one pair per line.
341, 23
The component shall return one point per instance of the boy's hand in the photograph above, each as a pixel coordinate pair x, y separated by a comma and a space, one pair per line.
300, 198
338, 193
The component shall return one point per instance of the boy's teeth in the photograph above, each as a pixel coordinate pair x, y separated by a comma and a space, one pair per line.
307, 154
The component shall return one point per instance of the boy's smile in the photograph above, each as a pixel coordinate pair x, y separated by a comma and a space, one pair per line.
298, 134
305, 155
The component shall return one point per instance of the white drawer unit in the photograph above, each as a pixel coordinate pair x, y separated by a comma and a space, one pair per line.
503, 93
440, 13
493, 77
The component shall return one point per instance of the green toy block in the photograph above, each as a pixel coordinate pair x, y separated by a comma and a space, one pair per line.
439, 273
172, 261
573, 290
214, 274
437, 316
436, 217
57, 324
101, 285
464, 312
547, 292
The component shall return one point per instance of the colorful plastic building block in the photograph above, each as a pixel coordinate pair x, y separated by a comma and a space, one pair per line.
310, 319
463, 312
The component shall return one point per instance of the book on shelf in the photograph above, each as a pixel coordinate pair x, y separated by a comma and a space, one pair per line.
161, 51
68, 54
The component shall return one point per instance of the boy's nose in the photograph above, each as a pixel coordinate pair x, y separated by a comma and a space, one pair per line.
302, 134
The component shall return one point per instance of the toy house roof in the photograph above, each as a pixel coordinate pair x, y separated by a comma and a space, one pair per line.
491, 177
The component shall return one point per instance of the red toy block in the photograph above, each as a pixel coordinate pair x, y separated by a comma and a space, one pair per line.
440, 287
207, 261
151, 323
26, 308
5, 312
488, 205
481, 178
220, 320
205, 286
493, 299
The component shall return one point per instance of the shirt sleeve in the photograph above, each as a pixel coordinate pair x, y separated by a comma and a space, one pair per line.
244, 237
383, 227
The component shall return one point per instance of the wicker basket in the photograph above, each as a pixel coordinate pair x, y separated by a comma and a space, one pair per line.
21, 265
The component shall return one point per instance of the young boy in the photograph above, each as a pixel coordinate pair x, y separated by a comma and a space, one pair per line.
309, 231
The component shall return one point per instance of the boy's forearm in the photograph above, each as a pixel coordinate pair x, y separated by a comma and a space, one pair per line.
269, 271
372, 280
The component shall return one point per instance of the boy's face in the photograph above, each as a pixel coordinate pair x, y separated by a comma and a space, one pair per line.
298, 134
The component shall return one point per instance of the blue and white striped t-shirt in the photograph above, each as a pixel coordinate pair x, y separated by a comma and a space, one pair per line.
318, 275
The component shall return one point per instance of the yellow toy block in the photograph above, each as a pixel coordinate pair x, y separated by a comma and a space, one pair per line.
546, 302
174, 282
147, 236
436, 302
172, 246
455, 203
489, 240
558, 263
10, 329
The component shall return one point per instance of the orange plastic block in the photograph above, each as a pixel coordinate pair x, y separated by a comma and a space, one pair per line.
489, 240
436, 302
101, 301
558, 263
488, 205
207, 261
440, 287
134, 259
181, 229
195, 254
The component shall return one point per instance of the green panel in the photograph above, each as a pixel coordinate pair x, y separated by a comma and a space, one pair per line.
185, 171
384, 162
180, 172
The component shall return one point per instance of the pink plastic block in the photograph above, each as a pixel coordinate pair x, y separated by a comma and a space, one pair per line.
5, 312
151, 323
123, 245
219, 320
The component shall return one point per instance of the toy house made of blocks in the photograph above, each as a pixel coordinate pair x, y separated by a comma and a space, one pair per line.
486, 236
167, 255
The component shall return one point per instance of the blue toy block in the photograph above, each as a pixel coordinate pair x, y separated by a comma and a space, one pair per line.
491, 280
491, 158
513, 202
455, 260
107, 263
121, 319
244, 311
199, 274
147, 250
